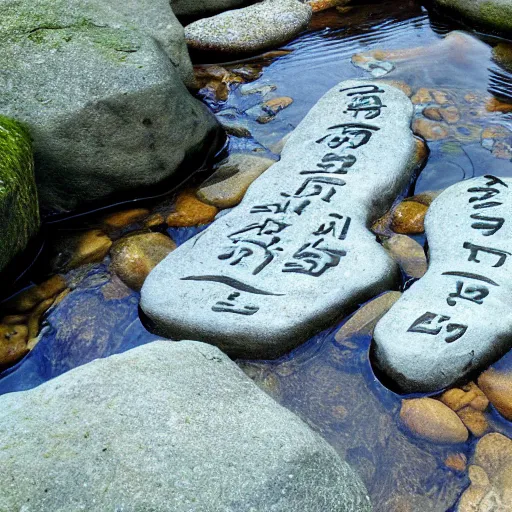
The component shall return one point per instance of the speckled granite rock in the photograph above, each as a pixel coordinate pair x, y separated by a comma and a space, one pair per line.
456, 319
259, 26
296, 253
19, 209
165, 427
106, 107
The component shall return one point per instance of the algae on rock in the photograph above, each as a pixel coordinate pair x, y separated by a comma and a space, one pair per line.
19, 211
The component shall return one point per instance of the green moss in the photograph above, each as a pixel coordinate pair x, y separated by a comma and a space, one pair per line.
19, 211
499, 16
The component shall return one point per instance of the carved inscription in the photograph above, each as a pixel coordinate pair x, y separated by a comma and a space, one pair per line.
473, 287
259, 245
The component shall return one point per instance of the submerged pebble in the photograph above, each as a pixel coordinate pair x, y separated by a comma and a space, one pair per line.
190, 211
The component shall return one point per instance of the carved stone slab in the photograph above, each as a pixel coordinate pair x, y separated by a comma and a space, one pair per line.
457, 318
296, 253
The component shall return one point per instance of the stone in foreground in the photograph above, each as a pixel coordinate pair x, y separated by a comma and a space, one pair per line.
296, 254
456, 319
257, 27
165, 427
19, 209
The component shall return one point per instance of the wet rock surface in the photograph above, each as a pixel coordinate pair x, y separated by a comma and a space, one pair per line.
257, 27
438, 331
301, 225
150, 412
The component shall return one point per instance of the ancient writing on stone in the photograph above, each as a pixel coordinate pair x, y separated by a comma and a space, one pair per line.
270, 273
469, 232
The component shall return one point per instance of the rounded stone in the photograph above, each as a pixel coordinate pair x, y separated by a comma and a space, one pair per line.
432, 420
408, 218
134, 257
408, 253
257, 27
122, 219
91, 247
497, 387
13, 344
190, 211
227, 186
430, 130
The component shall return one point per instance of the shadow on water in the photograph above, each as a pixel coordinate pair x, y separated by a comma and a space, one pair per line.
329, 383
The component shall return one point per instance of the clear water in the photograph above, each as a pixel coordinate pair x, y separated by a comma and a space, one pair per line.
330, 385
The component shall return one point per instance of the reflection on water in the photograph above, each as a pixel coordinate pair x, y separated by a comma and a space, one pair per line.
331, 384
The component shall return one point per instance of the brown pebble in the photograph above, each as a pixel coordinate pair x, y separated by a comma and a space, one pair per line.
275, 105
31, 297
429, 130
456, 462
91, 247
421, 96
497, 386
157, 219
432, 420
475, 421
190, 211
14, 319
432, 113
122, 219
408, 218
133, 257
13, 344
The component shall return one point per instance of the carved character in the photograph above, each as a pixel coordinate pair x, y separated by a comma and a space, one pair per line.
317, 186
491, 224
425, 324
474, 249
229, 306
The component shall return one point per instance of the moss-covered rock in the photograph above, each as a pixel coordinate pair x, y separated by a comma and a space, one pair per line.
106, 107
19, 211
490, 15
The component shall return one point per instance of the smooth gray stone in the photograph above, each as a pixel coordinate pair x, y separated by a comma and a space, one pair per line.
257, 27
456, 319
225, 288
165, 427
495, 15
106, 107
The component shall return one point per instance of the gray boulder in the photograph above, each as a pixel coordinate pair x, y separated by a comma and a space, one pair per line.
456, 319
106, 107
493, 15
201, 7
257, 27
19, 210
165, 427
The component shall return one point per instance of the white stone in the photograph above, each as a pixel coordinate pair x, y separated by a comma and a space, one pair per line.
432, 337
224, 288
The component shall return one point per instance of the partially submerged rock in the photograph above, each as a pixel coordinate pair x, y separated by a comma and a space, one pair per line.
494, 15
166, 426
19, 208
454, 320
106, 107
296, 254
227, 186
257, 27
201, 7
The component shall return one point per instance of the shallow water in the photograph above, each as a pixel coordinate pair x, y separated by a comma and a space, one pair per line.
329, 384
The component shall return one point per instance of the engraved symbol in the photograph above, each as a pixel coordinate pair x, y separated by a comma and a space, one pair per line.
425, 325
229, 306
333, 164
334, 227
315, 187
280, 207
349, 135
474, 249
314, 259
491, 224
370, 105
472, 293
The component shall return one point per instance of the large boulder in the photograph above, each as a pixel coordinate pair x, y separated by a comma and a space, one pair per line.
19, 210
106, 107
201, 7
165, 427
492, 15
